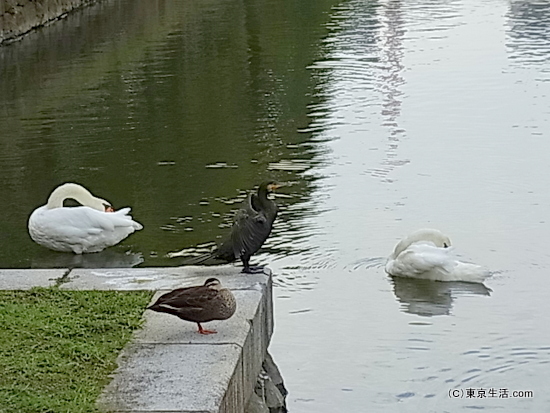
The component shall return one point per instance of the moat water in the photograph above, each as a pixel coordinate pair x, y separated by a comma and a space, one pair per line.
381, 117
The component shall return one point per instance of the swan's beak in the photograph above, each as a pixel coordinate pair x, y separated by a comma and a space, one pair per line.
273, 187
109, 209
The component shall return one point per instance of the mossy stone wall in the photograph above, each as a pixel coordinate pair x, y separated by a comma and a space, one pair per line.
18, 17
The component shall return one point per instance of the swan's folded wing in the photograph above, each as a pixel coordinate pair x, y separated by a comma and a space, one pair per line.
122, 218
421, 258
73, 223
81, 222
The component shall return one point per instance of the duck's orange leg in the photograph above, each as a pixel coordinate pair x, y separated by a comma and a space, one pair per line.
204, 331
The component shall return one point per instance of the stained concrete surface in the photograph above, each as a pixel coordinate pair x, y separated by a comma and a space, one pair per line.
168, 366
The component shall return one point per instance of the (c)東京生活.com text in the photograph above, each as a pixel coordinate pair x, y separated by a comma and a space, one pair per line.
489, 393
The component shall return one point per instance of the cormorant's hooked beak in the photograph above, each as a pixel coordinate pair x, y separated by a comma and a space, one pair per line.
272, 187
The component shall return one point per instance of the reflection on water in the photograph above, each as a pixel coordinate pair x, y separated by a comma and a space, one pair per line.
109, 258
424, 298
528, 38
127, 98
372, 78
429, 119
430, 298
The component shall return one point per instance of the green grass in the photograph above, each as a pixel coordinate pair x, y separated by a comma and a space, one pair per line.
58, 347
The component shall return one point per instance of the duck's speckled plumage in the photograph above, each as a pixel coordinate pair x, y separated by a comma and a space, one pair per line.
198, 304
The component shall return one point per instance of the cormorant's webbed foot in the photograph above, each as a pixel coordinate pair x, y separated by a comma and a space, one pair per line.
257, 269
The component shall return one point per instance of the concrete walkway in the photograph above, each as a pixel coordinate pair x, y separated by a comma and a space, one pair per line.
168, 366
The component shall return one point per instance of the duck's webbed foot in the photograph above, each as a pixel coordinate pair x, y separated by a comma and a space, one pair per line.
204, 331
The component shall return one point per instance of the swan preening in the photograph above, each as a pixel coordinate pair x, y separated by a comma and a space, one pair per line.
427, 254
91, 227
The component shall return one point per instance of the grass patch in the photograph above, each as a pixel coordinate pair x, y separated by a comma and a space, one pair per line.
58, 347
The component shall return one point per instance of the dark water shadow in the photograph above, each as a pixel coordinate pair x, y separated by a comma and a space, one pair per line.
428, 298
103, 259
527, 34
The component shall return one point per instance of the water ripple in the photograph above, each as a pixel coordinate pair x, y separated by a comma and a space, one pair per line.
528, 37
366, 263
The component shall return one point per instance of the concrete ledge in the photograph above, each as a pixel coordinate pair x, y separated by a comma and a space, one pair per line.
168, 366
175, 378
27, 279
160, 278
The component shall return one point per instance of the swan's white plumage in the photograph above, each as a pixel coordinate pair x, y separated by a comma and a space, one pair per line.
82, 229
427, 254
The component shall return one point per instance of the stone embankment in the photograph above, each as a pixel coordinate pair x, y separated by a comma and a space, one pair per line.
18, 17
168, 366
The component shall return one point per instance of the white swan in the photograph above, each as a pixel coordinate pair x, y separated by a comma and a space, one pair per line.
426, 254
91, 227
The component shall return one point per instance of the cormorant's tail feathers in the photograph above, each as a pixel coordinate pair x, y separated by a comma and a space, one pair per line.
204, 259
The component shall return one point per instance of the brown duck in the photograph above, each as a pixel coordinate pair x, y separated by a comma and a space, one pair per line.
198, 304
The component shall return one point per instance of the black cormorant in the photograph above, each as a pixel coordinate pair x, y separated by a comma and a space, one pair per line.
251, 227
